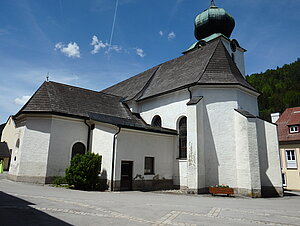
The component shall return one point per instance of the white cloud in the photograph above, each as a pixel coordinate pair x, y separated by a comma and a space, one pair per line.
140, 52
22, 100
161, 33
71, 50
97, 44
171, 35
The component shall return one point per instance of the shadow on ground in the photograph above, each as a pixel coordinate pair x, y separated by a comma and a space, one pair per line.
15, 211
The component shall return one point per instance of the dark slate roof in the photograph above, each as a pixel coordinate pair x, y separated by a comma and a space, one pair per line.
245, 113
136, 123
291, 116
61, 99
4, 150
210, 65
54, 97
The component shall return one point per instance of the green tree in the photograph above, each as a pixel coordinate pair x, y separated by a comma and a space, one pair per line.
279, 88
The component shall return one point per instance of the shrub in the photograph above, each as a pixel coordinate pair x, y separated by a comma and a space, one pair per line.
59, 181
83, 171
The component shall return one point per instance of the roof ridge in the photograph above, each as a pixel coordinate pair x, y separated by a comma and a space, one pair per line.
140, 93
71, 86
213, 53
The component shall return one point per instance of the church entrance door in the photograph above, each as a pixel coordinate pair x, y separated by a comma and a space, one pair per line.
126, 175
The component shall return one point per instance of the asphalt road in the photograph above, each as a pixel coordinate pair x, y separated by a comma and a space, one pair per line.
29, 204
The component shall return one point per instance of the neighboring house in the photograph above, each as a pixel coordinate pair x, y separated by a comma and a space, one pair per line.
289, 142
188, 123
4, 151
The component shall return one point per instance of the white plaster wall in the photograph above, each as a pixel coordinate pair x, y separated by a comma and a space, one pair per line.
247, 102
218, 129
180, 173
238, 56
136, 145
269, 154
34, 147
169, 107
8, 133
103, 136
14, 134
65, 132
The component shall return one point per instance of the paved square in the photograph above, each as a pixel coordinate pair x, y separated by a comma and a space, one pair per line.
29, 204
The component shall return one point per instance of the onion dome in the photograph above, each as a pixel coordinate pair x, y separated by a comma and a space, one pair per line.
213, 20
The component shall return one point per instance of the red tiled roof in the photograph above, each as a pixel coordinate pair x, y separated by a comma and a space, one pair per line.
291, 116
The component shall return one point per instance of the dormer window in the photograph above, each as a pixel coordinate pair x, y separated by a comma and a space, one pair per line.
294, 129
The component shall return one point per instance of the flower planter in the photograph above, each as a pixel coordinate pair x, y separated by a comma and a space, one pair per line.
220, 190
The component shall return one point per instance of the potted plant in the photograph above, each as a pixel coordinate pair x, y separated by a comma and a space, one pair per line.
221, 189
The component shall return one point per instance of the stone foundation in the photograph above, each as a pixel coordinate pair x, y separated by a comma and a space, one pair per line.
27, 179
146, 185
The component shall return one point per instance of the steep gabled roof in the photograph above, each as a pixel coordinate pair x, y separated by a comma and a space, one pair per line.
210, 65
60, 99
291, 116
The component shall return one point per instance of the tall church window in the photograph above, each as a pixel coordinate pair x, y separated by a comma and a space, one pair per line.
156, 121
78, 148
183, 138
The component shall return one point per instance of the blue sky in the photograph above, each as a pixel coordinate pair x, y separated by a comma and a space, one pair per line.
70, 40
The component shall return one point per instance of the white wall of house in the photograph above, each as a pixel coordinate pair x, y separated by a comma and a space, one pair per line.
102, 144
65, 132
136, 145
8, 133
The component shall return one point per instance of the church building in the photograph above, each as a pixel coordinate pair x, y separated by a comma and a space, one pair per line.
189, 123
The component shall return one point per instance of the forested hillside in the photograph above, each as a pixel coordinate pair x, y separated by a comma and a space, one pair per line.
279, 88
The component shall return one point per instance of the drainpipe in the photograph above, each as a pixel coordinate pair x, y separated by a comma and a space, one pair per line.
113, 160
88, 137
191, 95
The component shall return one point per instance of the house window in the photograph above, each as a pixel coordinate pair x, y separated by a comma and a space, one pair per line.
294, 129
78, 148
182, 138
149, 165
283, 179
156, 121
291, 162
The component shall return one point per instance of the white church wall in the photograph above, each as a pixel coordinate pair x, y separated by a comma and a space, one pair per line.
136, 145
247, 155
169, 107
219, 143
247, 102
65, 132
269, 158
102, 137
238, 56
33, 150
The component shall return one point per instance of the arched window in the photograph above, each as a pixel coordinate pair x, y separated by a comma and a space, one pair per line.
182, 138
18, 143
156, 121
78, 148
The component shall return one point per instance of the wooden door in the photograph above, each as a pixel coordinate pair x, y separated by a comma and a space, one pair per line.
126, 175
